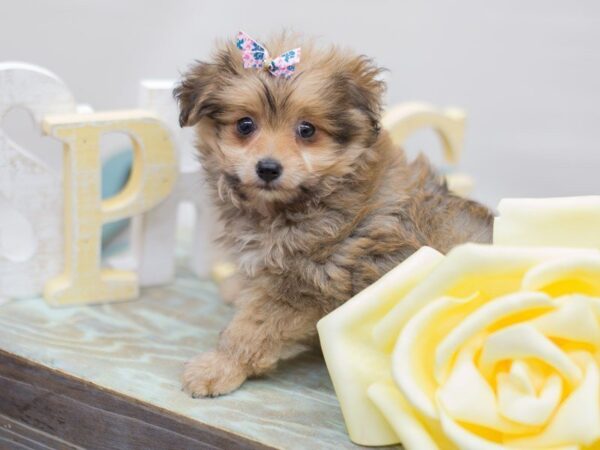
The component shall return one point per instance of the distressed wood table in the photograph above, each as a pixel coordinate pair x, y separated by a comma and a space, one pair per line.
107, 377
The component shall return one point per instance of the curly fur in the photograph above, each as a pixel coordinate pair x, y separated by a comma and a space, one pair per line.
348, 208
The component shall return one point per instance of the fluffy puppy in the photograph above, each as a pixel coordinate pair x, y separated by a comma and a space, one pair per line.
316, 202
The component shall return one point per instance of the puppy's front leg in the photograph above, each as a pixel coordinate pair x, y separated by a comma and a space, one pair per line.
260, 334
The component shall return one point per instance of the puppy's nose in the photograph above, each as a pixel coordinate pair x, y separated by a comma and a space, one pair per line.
268, 169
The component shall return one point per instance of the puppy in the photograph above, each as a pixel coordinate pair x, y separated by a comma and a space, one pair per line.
316, 202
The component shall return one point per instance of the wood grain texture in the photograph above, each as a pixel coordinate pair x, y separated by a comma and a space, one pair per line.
53, 410
136, 350
18, 435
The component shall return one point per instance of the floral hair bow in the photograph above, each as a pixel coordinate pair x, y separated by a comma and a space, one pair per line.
256, 56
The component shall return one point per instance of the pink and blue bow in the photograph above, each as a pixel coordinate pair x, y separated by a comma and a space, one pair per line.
256, 56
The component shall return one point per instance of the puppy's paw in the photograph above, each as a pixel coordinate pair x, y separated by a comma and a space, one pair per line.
212, 374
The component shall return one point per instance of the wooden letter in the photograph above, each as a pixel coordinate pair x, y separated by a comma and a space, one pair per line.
31, 218
152, 178
154, 233
407, 118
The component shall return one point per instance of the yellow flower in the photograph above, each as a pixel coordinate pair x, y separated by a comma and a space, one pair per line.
487, 348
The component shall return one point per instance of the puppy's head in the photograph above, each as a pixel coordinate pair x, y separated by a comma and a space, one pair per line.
268, 140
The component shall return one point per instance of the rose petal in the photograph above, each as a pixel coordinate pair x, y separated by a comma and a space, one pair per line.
570, 275
354, 361
564, 222
468, 397
408, 368
523, 341
466, 440
480, 319
524, 406
403, 420
468, 269
574, 320
522, 377
578, 419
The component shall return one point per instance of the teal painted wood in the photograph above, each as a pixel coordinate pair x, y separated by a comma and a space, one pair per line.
138, 349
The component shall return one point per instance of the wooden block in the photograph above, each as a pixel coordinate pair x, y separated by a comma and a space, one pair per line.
31, 218
152, 179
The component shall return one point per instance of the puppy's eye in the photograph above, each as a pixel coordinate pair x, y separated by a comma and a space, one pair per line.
245, 126
305, 130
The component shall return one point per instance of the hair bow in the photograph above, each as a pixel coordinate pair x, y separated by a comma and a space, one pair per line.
256, 56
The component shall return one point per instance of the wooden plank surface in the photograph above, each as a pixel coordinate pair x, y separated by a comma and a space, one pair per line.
136, 351
45, 408
19, 436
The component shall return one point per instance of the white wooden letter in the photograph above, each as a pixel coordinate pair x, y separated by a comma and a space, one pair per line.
31, 199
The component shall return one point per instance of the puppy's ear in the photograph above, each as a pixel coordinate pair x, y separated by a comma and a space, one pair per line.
194, 93
364, 87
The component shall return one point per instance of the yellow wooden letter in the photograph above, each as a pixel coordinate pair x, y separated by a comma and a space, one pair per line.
152, 178
406, 118
449, 124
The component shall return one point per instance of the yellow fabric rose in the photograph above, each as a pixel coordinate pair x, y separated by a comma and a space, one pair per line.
487, 348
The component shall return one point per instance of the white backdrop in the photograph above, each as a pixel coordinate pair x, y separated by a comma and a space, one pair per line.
527, 72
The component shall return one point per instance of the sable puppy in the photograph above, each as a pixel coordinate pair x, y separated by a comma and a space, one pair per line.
315, 200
